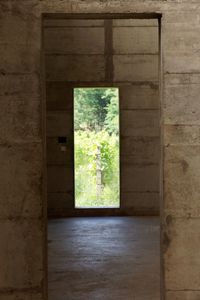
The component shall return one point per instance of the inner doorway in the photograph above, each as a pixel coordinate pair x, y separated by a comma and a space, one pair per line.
98, 52
96, 147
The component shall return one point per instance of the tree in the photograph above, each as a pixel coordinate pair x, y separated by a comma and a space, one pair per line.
91, 107
112, 117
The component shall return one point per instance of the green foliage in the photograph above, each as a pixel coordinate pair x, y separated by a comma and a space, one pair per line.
96, 116
92, 107
86, 144
112, 117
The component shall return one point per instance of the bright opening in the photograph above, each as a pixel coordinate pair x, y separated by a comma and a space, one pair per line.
96, 147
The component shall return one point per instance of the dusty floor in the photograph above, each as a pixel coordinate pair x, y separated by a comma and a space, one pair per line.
111, 258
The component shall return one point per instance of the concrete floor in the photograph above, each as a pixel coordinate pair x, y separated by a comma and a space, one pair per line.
104, 258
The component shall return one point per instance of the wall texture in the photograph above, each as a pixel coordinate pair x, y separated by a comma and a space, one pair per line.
123, 53
23, 235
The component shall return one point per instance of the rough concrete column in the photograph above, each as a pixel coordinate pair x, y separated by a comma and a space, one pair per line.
21, 208
22, 238
181, 109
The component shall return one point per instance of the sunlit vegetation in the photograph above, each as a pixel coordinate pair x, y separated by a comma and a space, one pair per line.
96, 125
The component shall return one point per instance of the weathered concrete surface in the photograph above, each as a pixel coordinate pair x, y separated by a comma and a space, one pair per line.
139, 96
145, 68
124, 40
58, 200
20, 183
55, 155
140, 150
74, 40
19, 87
63, 177
183, 269
143, 202
22, 219
108, 258
21, 120
182, 99
58, 96
59, 123
181, 134
67, 67
183, 295
23, 296
140, 123
182, 197
134, 175
20, 72
20, 251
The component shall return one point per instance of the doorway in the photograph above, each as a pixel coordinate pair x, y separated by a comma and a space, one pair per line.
97, 53
96, 147
104, 53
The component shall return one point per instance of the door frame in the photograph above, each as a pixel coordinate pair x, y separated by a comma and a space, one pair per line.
107, 211
121, 211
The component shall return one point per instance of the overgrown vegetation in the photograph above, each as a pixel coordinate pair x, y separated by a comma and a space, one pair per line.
96, 121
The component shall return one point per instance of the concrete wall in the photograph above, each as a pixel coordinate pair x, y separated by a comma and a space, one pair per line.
122, 53
23, 270
135, 60
22, 217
